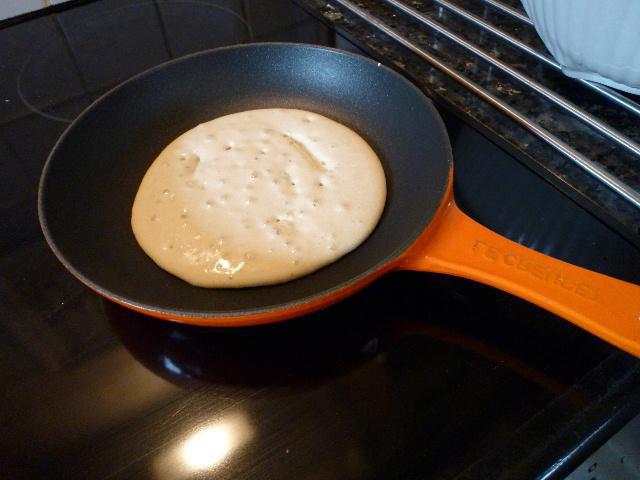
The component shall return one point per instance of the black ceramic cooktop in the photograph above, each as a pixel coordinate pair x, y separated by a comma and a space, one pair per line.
418, 376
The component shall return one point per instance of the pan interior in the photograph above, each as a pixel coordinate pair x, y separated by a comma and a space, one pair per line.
93, 174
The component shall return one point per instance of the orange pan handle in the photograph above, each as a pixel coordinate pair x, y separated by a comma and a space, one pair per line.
602, 305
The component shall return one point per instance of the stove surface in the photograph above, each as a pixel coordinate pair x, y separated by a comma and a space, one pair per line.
418, 376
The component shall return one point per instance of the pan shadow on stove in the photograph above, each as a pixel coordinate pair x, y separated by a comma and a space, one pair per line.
437, 312
307, 350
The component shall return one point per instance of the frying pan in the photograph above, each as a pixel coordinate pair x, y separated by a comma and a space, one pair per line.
91, 177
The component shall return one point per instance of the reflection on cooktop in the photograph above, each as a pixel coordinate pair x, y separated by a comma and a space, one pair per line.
407, 368
296, 352
340, 338
81, 59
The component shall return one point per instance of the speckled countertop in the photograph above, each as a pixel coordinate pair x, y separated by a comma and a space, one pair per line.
599, 199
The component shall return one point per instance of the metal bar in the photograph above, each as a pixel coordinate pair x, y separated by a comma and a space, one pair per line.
506, 37
601, 89
509, 11
580, 160
586, 117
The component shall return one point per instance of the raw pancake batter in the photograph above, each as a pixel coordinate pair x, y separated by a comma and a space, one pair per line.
257, 198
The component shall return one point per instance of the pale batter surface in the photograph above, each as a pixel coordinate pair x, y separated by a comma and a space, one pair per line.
257, 198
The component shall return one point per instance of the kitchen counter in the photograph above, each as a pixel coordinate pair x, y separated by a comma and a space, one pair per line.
418, 376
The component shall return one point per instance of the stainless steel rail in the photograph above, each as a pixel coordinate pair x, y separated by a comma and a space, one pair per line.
607, 92
509, 10
579, 159
560, 101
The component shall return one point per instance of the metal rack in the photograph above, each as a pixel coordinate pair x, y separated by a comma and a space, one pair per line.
602, 119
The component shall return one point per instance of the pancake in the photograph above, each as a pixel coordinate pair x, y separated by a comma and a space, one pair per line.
257, 198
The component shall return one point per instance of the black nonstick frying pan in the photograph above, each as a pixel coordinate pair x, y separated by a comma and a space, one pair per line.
90, 180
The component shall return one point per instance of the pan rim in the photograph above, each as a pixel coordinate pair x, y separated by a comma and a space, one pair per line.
183, 314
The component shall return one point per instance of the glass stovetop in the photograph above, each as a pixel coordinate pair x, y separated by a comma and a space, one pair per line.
418, 376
